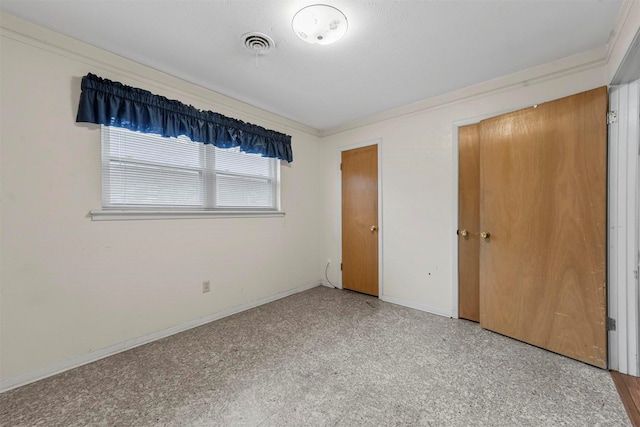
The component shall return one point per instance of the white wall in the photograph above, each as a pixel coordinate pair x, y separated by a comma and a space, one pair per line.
419, 187
71, 286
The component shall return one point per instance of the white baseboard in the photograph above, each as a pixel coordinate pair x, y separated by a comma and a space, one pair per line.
421, 307
65, 365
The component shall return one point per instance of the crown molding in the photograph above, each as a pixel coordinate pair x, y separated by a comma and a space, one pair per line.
147, 77
563, 67
624, 18
40, 37
625, 33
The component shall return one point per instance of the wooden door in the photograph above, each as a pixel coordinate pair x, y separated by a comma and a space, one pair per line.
543, 201
469, 222
360, 219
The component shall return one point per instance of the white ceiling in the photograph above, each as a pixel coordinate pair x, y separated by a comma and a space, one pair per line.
395, 52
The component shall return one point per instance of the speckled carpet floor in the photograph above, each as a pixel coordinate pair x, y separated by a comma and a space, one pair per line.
324, 357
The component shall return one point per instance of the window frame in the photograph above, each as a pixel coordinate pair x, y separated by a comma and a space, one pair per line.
207, 209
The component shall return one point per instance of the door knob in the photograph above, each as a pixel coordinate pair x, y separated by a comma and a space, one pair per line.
373, 228
463, 233
485, 234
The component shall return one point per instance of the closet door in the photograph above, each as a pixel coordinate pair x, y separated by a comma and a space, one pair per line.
543, 215
469, 222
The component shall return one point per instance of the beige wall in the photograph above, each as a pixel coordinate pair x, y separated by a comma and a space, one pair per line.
70, 285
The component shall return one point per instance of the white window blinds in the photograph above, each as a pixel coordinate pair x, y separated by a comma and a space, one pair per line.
146, 171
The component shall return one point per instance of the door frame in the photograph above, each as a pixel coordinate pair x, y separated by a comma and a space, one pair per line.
623, 230
624, 343
380, 233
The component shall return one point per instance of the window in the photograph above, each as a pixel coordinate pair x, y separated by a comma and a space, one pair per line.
148, 172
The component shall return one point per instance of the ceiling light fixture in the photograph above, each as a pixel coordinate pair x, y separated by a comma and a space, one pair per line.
320, 24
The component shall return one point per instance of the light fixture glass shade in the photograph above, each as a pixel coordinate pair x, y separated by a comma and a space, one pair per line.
320, 24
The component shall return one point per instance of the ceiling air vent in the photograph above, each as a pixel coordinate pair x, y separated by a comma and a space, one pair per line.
258, 43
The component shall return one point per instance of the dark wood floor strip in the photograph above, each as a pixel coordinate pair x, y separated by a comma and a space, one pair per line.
633, 384
629, 391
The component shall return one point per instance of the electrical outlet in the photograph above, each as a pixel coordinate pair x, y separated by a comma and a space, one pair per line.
206, 286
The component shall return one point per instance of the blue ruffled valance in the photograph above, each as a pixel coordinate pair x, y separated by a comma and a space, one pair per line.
111, 103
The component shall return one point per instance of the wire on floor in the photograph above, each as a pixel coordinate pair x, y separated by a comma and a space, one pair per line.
327, 277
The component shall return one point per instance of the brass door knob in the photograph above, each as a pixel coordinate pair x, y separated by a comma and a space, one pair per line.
485, 234
373, 228
463, 233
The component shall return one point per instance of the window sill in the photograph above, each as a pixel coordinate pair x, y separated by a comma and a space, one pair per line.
129, 215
